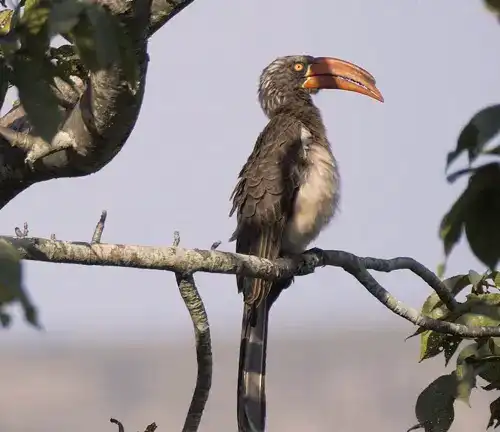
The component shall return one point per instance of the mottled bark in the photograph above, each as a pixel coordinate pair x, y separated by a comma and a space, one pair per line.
189, 261
194, 304
99, 117
196, 309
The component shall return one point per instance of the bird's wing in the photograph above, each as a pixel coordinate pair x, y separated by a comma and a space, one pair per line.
264, 196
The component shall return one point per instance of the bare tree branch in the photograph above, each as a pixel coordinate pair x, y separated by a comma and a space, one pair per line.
24, 233
99, 228
187, 262
196, 309
118, 423
163, 11
150, 428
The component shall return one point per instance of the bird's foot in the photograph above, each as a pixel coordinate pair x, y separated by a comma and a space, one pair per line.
319, 254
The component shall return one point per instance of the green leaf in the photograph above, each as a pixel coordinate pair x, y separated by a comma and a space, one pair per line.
493, 151
496, 278
10, 272
470, 351
479, 314
441, 269
478, 211
5, 21
433, 343
490, 371
32, 77
5, 319
493, 6
433, 307
451, 348
482, 216
466, 381
11, 289
490, 299
434, 407
95, 38
494, 414
486, 360
104, 28
465, 373
480, 129
64, 16
4, 81
102, 41
35, 18
474, 277
452, 224
29, 4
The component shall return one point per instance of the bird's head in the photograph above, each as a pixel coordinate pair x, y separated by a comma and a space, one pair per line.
297, 77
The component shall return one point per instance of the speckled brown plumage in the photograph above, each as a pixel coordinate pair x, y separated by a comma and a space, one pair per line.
288, 191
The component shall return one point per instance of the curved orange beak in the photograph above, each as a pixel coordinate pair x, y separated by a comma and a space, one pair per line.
333, 73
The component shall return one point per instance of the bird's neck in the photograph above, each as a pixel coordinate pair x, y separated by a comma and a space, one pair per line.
273, 100
301, 108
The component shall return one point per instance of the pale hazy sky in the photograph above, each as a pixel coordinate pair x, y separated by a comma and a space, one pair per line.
436, 63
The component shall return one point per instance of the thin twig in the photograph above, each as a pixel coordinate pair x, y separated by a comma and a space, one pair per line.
356, 267
406, 263
24, 233
99, 228
119, 423
196, 309
177, 239
151, 428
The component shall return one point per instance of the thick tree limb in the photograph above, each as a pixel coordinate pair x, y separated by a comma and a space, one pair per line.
99, 115
187, 261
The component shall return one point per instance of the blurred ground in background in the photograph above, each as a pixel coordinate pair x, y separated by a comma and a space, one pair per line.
360, 381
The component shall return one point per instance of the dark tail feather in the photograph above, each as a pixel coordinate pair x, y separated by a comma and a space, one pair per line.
252, 368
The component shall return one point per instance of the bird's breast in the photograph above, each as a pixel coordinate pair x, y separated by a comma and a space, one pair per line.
317, 198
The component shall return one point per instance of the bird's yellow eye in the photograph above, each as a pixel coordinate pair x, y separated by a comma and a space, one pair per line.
298, 67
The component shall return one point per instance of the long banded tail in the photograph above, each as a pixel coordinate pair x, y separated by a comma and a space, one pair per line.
252, 368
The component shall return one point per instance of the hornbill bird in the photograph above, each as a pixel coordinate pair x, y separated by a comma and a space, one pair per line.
288, 191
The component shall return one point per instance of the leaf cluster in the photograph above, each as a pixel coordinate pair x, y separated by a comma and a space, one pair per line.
481, 358
11, 286
477, 210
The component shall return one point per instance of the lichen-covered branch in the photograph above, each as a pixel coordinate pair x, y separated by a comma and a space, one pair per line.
189, 261
196, 309
163, 11
198, 314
